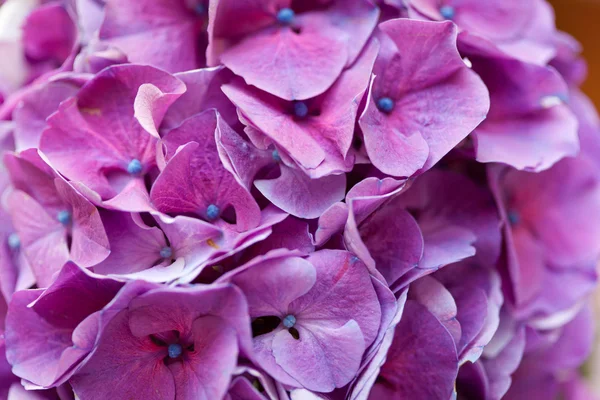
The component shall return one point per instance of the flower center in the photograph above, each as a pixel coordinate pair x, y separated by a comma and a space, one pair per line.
513, 217
286, 16
289, 321
166, 252
175, 350
300, 109
385, 104
276, 156
212, 212
134, 167
447, 12
14, 242
200, 9
64, 217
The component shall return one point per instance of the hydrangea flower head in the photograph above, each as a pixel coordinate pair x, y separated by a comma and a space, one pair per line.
294, 200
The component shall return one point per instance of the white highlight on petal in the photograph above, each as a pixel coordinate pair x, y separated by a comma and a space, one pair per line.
550, 101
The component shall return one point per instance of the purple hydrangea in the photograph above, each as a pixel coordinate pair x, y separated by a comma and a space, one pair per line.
294, 199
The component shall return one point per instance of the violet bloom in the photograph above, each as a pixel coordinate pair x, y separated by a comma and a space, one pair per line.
529, 125
292, 49
145, 30
203, 93
405, 234
252, 384
312, 319
568, 60
552, 240
178, 343
423, 101
195, 181
521, 29
277, 176
317, 132
458, 218
489, 377
37, 37
108, 142
421, 362
14, 267
35, 107
50, 332
444, 323
7, 378
550, 355
157, 253
54, 223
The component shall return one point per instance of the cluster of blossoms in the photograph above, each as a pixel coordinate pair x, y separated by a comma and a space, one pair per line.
294, 199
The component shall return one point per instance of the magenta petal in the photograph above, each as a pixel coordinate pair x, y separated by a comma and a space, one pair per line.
427, 121
207, 372
35, 360
43, 238
430, 293
94, 138
259, 278
203, 92
195, 177
446, 245
343, 291
325, 357
421, 362
296, 193
45, 339
30, 114
498, 20
319, 142
167, 309
283, 52
242, 389
394, 240
49, 33
274, 58
89, 243
118, 355
240, 156
292, 234
331, 222
134, 247
458, 201
528, 126
393, 152
146, 30
193, 239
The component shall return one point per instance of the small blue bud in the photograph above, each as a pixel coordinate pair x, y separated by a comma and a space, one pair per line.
513, 217
166, 252
289, 321
200, 9
64, 217
276, 156
300, 109
134, 167
14, 242
286, 16
447, 12
385, 104
212, 212
175, 350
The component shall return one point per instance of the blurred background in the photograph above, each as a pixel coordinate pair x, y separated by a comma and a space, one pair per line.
581, 18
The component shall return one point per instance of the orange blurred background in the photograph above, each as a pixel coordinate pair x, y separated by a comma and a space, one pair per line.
581, 18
